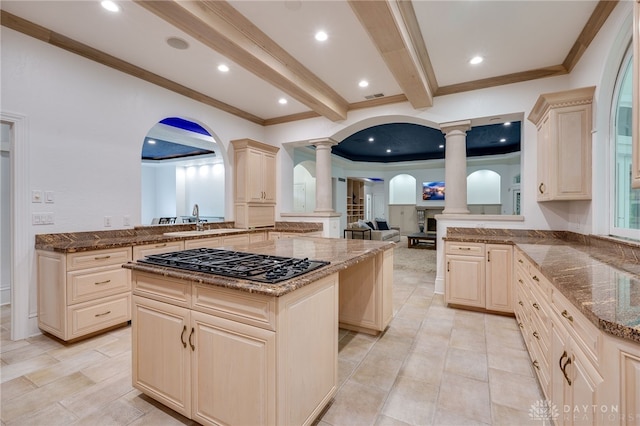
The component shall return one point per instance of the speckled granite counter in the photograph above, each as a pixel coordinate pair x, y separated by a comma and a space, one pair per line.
340, 252
600, 276
70, 242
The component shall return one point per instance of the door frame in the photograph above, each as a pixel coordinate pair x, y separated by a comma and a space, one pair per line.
21, 241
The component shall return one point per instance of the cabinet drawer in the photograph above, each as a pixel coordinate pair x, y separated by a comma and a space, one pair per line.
148, 249
94, 283
235, 239
252, 309
95, 258
522, 261
586, 335
202, 243
89, 317
164, 289
465, 248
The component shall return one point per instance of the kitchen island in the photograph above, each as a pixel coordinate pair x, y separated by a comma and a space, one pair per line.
222, 350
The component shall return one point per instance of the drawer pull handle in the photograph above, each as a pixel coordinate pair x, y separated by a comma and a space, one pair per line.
447, 266
102, 314
567, 316
535, 305
520, 261
193, 348
563, 368
535, 278
541, 188
536, 335
536, 364
488, 256
520, 303
521, 325
102, 257
520, 281
102, 282
184, 342
464, 248
161, 245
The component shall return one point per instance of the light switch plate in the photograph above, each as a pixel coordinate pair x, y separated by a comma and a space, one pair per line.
48, 197
36, 196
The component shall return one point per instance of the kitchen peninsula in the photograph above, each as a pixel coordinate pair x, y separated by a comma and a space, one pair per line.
222, 350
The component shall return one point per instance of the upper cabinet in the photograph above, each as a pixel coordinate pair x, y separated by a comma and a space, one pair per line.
564, 121
255, 183
635, 179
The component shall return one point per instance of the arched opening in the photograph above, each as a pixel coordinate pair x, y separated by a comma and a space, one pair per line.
304, 187
484, 192
402, 189
182, 166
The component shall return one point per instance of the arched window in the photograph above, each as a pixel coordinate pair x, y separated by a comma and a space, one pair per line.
625, 209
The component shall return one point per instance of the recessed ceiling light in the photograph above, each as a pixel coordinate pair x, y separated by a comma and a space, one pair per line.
503, 140
321, 36
388, 150
151, 141
282, 101
441, 146
363, 83
371, 139
110, 6
508, 123
476, 60
223, 68
177, 43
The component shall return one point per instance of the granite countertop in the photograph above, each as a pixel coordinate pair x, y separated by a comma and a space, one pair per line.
340, 252
70, 242
599, 276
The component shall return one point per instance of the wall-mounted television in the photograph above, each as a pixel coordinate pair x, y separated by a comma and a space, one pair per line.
432, 191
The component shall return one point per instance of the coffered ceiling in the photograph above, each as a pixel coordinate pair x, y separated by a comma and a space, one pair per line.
406, 50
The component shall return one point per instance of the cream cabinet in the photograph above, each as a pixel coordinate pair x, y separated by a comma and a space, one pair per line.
82, 293
563, 120
141, 251
479, 275
366, 294
277, 235
635, 178
222, 356
255, 183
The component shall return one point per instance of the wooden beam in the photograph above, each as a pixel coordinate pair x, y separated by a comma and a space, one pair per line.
221, 27
55, 39
589, 32
386, 31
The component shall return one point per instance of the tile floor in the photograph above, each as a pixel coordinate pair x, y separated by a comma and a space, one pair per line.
433, 366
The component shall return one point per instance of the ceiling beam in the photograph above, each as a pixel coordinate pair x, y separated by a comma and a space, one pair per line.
221, 27
384, 22
56, 39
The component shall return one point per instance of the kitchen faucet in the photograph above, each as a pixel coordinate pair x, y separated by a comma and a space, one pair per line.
196, 213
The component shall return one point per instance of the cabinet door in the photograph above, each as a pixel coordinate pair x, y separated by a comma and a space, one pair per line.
233, 372
465, 280
542, 142
630, 382
269, 177
571, 154
499, 277
255, 176
559, 381
585, 380
161, 354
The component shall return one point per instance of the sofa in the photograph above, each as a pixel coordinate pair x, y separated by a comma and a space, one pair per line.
391, 234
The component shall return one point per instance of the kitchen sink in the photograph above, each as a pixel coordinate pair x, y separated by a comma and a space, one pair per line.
194, 233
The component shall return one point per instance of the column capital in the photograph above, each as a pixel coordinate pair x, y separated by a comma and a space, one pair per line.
461, 126
323, 142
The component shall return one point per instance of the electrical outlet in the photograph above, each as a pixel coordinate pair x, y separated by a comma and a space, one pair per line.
126, 220
36, 219
47, 218
107, 221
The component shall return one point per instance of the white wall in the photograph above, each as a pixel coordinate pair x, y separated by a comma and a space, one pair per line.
483, 187
402, 189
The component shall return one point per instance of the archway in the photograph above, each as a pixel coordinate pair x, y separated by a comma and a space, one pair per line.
182, 166
304, 187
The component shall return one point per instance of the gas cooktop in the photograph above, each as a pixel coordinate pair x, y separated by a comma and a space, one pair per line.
249, 266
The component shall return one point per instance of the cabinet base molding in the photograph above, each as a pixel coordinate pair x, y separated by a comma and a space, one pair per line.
85, 336
483, 310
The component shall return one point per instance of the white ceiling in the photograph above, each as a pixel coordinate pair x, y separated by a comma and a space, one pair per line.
513, 36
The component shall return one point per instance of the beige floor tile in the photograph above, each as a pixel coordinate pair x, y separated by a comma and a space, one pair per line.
100, 395
355, 404
468, 397
109, 367
115, 413
30, 365
72, 349
446, 417
507, 416
389, 421
469, 320
394, 346
467, 363
42, 397
513, 390
52, 414
345, 369
512, 360
377, 370
354, 347
7, 345
16, 387
468, 339
423, 366
411, 401
64, 368
404, 327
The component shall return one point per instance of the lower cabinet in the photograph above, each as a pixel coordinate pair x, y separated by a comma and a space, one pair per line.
227, 357
479, 275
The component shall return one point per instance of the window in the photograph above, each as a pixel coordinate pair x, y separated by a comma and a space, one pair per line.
625, 221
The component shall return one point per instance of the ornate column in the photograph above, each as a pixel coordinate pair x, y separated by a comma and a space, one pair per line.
455, 163
323, 174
